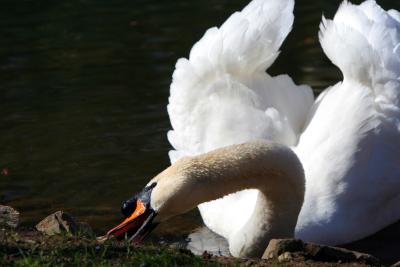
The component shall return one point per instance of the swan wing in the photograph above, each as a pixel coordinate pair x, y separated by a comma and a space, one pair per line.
222, 95
350, 149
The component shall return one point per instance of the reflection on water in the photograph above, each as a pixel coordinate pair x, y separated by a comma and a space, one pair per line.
84, 87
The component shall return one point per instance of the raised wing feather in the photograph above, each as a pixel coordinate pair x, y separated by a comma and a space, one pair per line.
224, 80
222, 95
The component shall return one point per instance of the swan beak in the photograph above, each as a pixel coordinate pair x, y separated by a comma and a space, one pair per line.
138, 225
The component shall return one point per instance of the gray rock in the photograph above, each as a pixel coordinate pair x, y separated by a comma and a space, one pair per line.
9, 217
62, 222
278, 247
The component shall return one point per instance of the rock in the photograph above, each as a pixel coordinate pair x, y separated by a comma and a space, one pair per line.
9, 217
286, 256
278, 248
57, 223
60, 222
327, 253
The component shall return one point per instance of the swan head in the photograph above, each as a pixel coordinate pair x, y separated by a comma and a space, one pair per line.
139, 217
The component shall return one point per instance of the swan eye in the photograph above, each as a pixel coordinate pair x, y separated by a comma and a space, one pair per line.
128, 207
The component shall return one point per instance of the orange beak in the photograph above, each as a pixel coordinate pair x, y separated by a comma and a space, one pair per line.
138, 224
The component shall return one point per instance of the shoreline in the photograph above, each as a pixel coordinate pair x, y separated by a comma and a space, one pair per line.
28, 247
61, 240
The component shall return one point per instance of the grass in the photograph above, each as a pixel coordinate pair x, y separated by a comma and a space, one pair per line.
65, 250
30, 248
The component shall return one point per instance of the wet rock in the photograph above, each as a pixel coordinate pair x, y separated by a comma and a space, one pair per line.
278, 247
9, 217
62, 222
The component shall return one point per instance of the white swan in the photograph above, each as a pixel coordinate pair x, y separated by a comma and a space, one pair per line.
348, 140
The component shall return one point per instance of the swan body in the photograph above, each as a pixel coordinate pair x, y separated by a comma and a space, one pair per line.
348, 139
271, 168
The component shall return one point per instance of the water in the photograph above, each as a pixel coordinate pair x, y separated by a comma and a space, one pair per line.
83, 93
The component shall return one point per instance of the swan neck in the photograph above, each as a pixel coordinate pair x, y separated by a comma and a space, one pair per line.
271, 168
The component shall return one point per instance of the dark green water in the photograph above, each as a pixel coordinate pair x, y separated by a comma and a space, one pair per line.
83, 94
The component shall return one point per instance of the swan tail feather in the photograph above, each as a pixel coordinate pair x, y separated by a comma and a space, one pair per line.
363, 41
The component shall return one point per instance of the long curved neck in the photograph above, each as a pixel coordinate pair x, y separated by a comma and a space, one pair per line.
273, 169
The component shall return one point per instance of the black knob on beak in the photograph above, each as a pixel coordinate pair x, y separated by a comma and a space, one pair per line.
128, 207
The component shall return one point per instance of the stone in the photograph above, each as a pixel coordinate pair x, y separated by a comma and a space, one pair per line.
278, 247
9, 217
62, 222
286, 256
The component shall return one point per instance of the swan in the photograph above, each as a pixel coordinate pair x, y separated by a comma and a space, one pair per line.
347, 140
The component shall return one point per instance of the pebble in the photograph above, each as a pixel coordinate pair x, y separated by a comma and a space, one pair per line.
62, 222
9, 217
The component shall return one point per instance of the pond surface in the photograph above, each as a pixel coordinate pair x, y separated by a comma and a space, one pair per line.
83, 93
